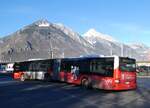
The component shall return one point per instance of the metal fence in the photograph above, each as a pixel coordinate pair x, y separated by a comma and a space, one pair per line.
143, 70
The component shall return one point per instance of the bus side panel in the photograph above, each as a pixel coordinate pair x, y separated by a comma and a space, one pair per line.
69, 78
117, 74
63, 76
66, 77
100, 82
97, 81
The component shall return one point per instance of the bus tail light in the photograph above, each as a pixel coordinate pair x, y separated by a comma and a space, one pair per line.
117, 81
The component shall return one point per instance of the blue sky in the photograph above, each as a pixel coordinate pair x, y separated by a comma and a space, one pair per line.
126, 20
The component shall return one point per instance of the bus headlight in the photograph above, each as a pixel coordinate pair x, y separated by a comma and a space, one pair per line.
117, 81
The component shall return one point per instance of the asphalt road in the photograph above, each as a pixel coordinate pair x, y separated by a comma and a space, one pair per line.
37, 94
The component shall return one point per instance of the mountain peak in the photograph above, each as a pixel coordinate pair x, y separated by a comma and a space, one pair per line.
42, 23
92, 33
92, 30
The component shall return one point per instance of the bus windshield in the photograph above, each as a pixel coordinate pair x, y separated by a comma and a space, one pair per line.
127, 65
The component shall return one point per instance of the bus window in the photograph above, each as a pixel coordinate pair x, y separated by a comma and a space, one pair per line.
22, 66
84, 66
66, 66
32, 66
103, 67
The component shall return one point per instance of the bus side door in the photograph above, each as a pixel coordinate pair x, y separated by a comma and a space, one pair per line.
56, 69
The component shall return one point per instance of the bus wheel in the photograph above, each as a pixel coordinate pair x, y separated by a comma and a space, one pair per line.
85, 83
22, 78
47, 77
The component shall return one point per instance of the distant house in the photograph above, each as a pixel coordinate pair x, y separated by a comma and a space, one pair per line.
143, 68
143, 63
3, 67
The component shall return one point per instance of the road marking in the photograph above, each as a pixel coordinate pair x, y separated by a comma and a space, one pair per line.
7, 82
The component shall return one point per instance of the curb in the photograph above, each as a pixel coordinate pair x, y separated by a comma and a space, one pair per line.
143, 76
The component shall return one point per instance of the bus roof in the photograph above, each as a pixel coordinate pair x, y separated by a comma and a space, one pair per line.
69, 58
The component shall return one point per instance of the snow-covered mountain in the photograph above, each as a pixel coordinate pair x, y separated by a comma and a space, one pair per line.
102, 42
35, 41
110, 46
92, 35
139, 46
74, 35
142, 49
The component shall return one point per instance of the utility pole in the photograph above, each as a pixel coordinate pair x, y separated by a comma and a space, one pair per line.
111, 51
50, 43
63, 55
122, 48
63, 52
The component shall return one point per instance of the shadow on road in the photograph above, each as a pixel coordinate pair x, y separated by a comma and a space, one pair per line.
37, 94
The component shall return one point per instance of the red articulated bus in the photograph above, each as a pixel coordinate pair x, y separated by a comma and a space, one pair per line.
108, 73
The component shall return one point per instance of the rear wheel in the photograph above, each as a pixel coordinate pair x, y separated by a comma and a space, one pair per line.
85, 83
22, 78
47, 77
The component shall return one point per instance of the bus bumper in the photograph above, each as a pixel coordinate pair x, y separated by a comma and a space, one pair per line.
124, 87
